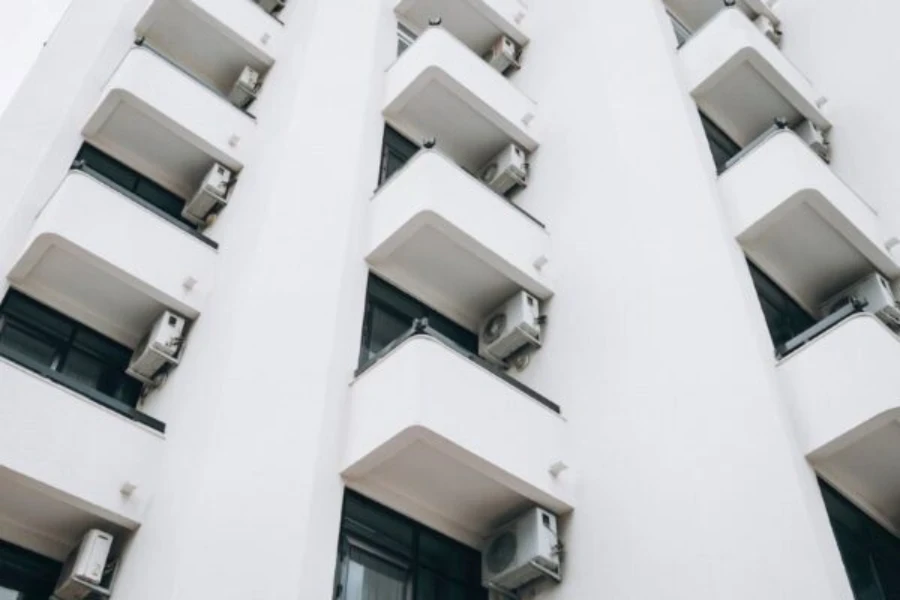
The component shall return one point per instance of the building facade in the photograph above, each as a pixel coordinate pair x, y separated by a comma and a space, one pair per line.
253, 252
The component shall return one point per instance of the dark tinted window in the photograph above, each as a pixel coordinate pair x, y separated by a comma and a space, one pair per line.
396, 150
387, 556
870, 553
41, 338
25, 575
723, 148
389, 313
784, 317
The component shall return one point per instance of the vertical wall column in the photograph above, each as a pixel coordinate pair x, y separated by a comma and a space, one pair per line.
690, 484
253, 501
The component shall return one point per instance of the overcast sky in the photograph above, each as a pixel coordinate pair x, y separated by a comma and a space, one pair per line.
25, 26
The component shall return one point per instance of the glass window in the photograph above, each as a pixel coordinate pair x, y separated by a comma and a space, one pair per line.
39, 337
784, 317
870, 553
131, 182
405, 38
385, 556
682, 33
723, 148
25, 575
396, 151
389, 313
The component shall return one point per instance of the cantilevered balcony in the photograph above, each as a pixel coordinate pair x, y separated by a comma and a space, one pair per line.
800, 224
107, 261
162, 123
213, 39
742, 81
66, 462
844, 390
443, 236
435, 434
440, 89
693, 14
476, 23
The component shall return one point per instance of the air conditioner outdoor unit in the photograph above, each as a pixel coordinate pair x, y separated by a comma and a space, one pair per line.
503, 55
511, 327
161, 347
507, 170
211, 197
521, 552
82, 574
876, 296
272, 6
244, 91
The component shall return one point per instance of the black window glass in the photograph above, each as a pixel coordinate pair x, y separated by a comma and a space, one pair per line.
41, 338
131, 182
870, 553
384, 555
25, 575
395, 152
784, 317
723, 148
389, 313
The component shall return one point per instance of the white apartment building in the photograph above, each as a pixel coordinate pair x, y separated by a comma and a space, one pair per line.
452, 300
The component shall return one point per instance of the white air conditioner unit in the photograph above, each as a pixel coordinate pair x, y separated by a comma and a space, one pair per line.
244, 91
507, 170
521, 552
876, 296
511, 327
503, 55
162, 347
211, 197
272, 6
82, 574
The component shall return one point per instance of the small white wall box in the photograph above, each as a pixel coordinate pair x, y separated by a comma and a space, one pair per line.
522, 551
211, 196
874, 294
509, 328
84, 570
272, 6
507, 170
161, 348
245, 89
503, 55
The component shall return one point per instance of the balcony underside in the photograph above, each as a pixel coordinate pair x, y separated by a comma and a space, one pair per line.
436, 436
476, 23
214, 39
440, 89
844, 390
800, 224
165, 125
695, 13
447, 239
742, 81
109, 263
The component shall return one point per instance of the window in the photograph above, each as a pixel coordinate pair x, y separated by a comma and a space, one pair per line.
131, 182
44, 340
405, 38
396, 151
723, 148
784, 317
682, 33
25, 575
870, 553
389, 313
385, 556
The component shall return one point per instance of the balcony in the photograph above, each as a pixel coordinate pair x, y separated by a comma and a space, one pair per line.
800, 224
436, 435
476, 23
213, 39
441, 235
440, 89
693, 14
108, 262
742, 82
160, 122
64, 462
843, 390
